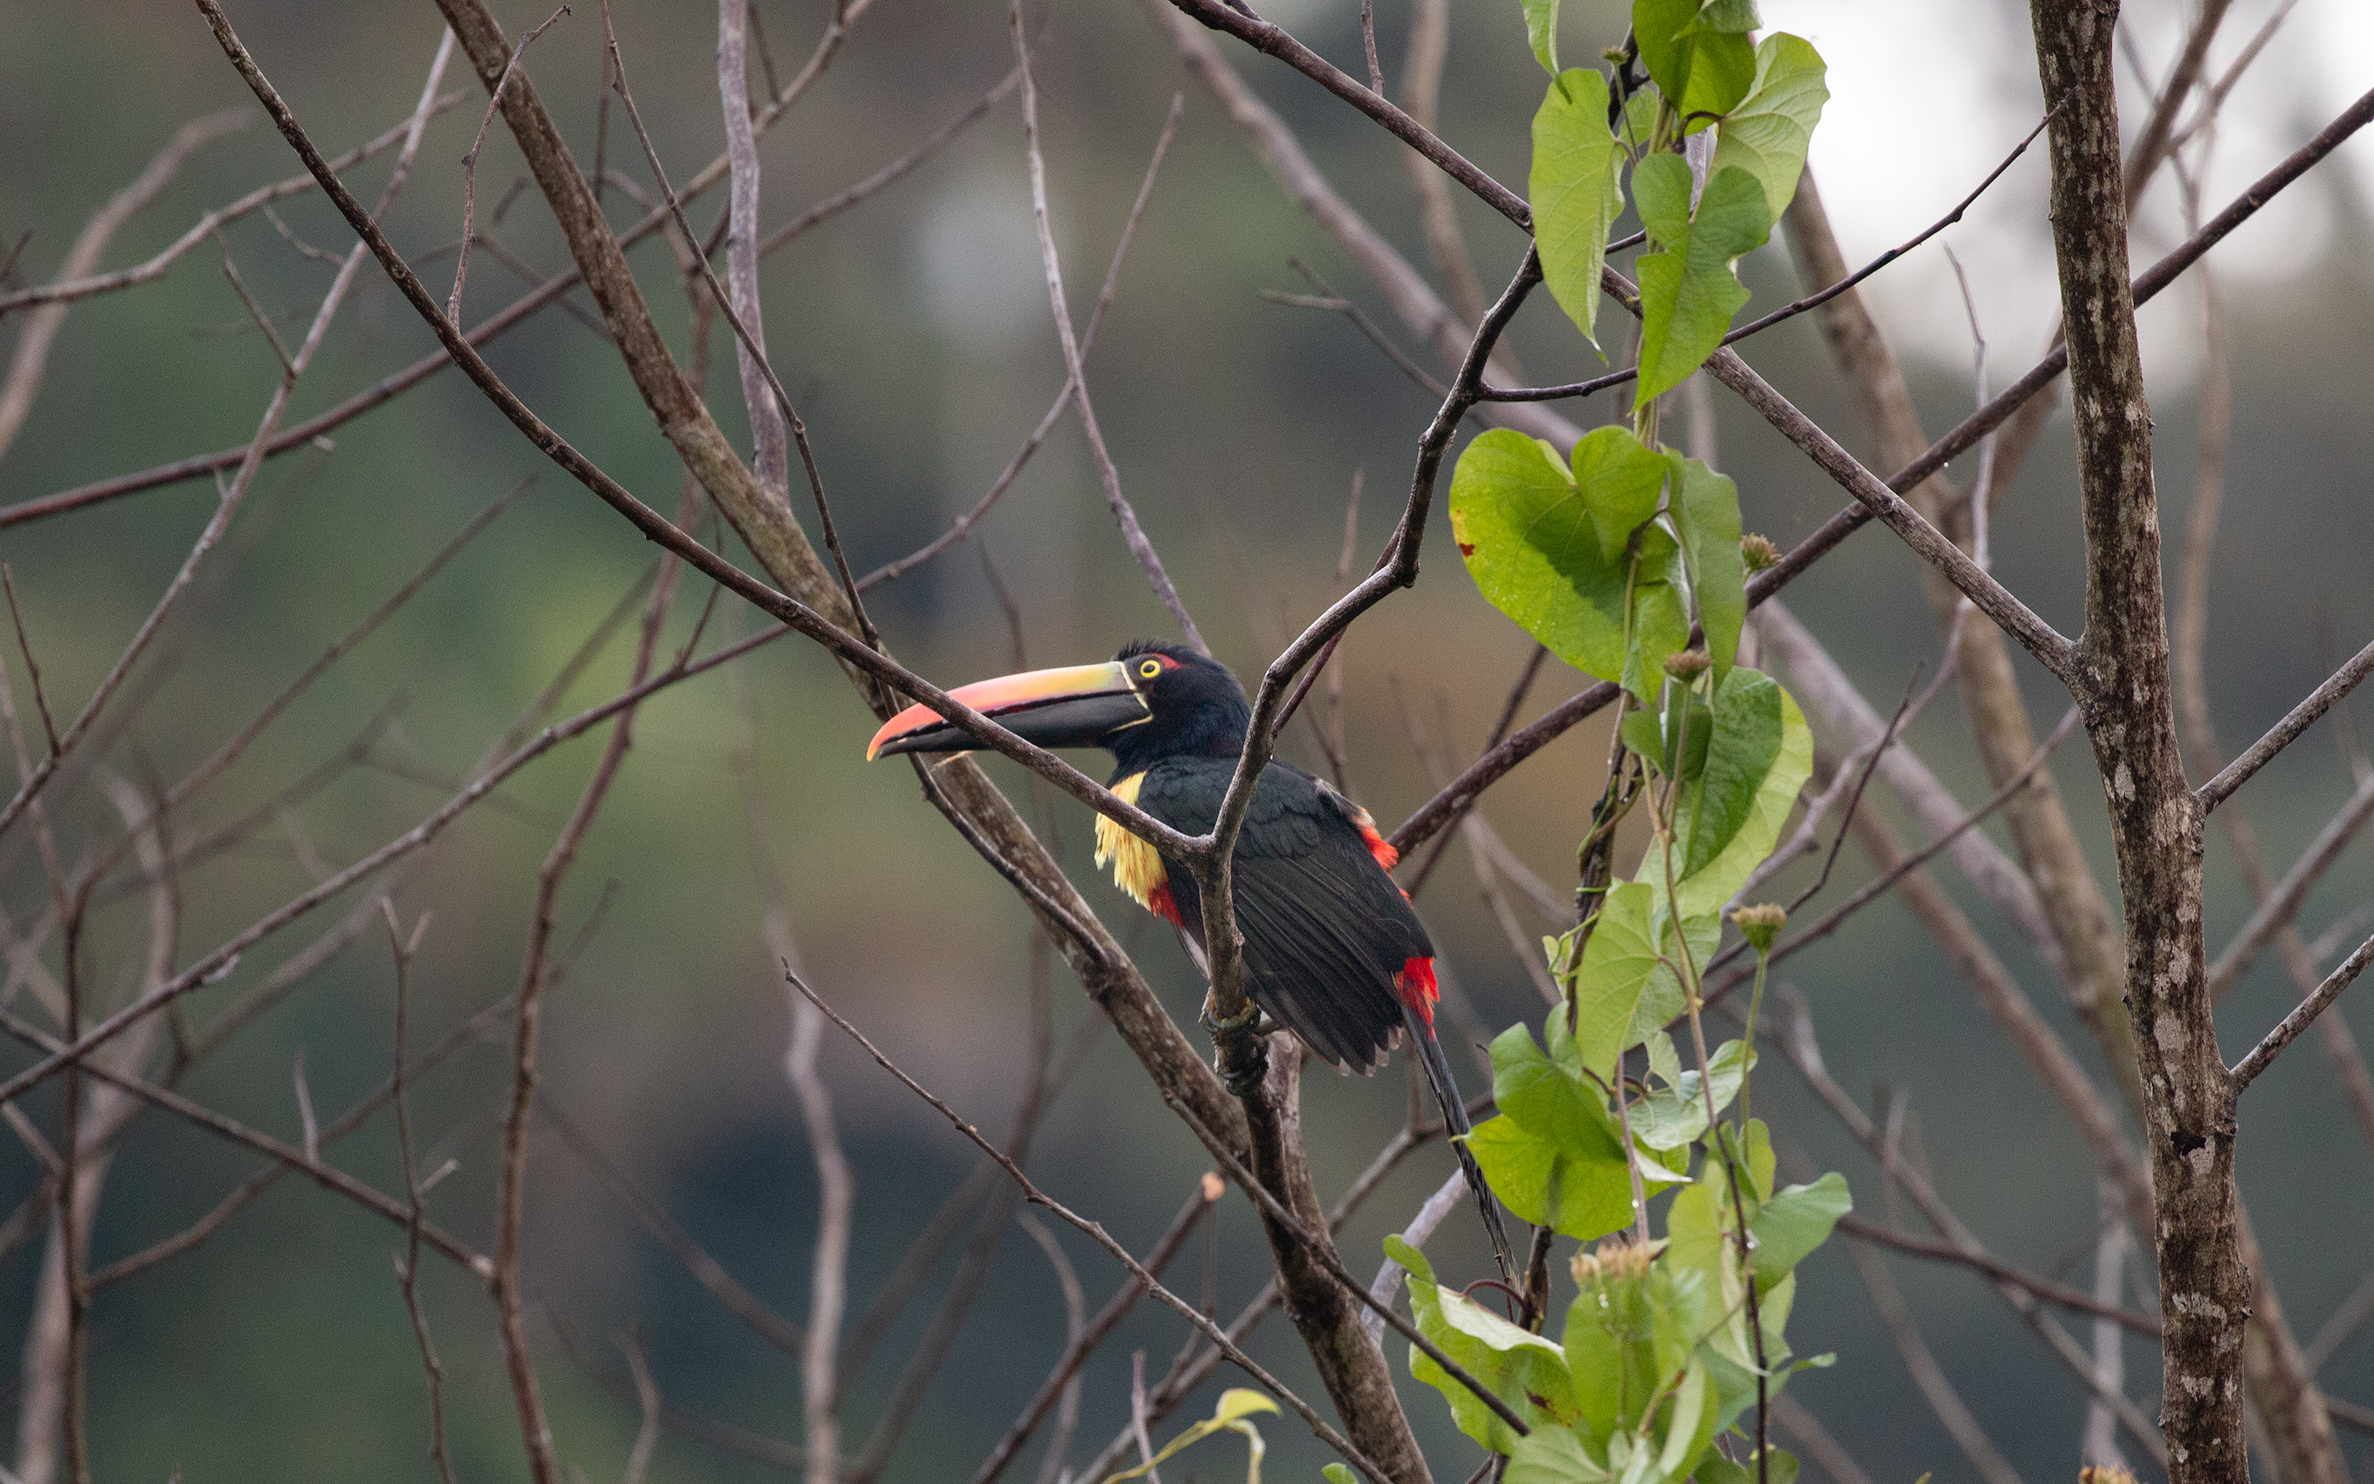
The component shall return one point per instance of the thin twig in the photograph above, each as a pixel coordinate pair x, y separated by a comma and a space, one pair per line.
1431, 817
771, 460
1796, 1042
49, 726
329, 1177
836, 1183
402, 950
695, 1259
236, 489
1037, 1197
657, 217
1789, 311
30, 357
535, 978
1921, 1365
1132, 534
1886, 881
1994, 1267
2284, 732
748, 340
1075, 1316
2282, 902
2261, 1056
494, 100
1063, 1375
638, 1459
963, 524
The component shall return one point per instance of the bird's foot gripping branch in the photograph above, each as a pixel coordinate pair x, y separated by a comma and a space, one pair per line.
1626, 559
1240, 1046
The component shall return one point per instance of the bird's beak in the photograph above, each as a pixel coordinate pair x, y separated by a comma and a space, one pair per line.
1077, 706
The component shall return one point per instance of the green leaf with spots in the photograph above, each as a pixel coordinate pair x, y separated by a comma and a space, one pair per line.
1688, 291
1575, 187
1768, 133
1531, 536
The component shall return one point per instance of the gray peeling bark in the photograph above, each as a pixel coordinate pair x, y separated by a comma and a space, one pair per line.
2130, 717
1353, 1368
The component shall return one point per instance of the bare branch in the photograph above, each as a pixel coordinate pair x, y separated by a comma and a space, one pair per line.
1791, 310
327, 1176
2282, 903
2053, 1293
31, 356
1421, 84
236, 489
772, 457
1062, 1377
695, 1259
408, 1266
2284, 732
1131, 533
494, 100
1797, 1043
1921, 1365
1180, 1306
2245, 1071
964, 523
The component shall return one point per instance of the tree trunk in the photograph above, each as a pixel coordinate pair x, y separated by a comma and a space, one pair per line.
2130, 718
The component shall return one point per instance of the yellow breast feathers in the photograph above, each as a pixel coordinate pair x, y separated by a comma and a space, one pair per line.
1137, 869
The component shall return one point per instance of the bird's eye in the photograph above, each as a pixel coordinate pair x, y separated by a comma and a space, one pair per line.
1148, 669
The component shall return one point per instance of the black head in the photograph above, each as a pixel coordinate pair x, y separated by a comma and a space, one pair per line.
1195, 707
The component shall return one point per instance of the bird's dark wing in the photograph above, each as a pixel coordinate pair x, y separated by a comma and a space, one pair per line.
1327, 933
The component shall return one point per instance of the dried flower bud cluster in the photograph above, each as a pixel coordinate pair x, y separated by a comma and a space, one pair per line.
1761, 924
1689, 664
1758, 552
1616, 1260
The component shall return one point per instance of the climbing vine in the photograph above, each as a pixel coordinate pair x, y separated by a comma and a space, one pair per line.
1625, 559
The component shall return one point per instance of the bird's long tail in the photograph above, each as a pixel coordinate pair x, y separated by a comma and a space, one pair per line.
1446, 1092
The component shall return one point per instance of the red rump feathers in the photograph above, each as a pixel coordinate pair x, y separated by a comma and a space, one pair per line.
1416, 983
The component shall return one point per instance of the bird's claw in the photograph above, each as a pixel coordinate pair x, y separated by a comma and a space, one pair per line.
1230, 1025
1240, 1047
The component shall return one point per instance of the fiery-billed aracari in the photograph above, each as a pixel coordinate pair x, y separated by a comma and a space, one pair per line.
1333, 951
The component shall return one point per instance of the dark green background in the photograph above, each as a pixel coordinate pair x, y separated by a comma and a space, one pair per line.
280, 1350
